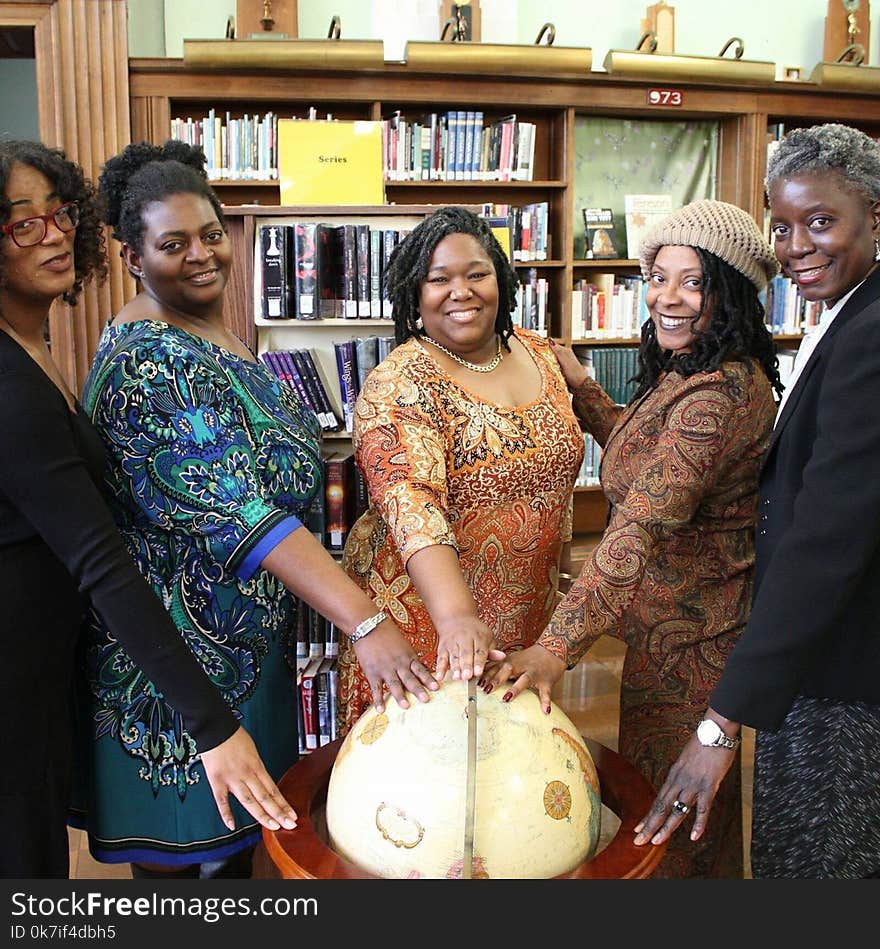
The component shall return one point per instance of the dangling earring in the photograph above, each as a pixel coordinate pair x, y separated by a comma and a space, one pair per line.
876, 248
419, 324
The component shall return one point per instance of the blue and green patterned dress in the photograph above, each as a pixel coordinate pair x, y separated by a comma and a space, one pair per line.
212, 463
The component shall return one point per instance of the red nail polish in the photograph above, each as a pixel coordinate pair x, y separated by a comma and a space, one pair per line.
489, 689
507, 696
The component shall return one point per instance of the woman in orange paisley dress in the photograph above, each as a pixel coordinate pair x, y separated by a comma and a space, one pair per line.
469, 447
672, 574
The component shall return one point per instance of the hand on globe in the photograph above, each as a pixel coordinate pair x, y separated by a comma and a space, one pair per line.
463, 646
536, 668
390, 662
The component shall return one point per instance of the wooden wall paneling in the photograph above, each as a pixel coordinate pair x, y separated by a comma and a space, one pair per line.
740, 167
81, 56
150, 119
238, 306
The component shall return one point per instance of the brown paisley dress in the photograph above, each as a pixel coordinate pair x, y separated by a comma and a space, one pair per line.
444, 466
672, 575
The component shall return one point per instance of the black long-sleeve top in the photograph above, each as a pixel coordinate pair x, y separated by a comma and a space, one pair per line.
52, 515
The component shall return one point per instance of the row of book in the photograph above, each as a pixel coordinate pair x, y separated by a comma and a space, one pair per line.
588, 475
236, 149
298, 368
354, 360
531, 303
457, 146
450, 146
608, 306
316, 706
313, 270
786, 311
614, 368
529, 229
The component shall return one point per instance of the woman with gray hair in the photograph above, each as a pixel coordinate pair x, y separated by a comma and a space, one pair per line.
806, 671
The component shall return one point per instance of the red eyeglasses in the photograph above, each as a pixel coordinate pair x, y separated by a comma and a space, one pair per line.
31, 230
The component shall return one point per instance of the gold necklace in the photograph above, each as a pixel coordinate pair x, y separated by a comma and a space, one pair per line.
493, 363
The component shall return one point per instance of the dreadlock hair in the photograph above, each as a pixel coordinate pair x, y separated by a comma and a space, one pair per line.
70, 184
143, 173
736, 330
410, 259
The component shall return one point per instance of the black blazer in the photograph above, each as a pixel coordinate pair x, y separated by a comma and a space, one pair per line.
814, 628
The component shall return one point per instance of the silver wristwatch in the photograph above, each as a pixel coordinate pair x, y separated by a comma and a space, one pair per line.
367, 626
709, 733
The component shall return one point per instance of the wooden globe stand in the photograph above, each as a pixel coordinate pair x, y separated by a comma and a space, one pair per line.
304, 854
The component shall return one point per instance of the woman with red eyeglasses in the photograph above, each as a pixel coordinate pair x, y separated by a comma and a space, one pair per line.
60, 553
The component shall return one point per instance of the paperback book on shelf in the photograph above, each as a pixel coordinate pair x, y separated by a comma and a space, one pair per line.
641, 213
599, 233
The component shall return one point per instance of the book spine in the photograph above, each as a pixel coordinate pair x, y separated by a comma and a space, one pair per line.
310, 705
362, 238
305, 271
327, 263
327, 417
349, 271
273, 256
345, 369
316, 634
375, 273
285, 358
339, 497
389, 242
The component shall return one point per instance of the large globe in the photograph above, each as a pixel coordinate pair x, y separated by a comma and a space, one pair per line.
396, 801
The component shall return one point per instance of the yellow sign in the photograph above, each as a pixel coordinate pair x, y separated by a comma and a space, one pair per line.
330, 162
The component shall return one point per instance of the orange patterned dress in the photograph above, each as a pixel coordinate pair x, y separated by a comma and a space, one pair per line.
445, 467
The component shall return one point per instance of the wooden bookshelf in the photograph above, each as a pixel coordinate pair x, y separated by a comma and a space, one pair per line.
164, 88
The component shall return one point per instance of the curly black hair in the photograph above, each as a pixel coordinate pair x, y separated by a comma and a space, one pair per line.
736, 330
410, 259
142, 173
70, 184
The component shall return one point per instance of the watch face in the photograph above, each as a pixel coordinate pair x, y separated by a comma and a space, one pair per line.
708, 732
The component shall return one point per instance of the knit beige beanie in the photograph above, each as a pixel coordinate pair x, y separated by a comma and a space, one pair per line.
720, 228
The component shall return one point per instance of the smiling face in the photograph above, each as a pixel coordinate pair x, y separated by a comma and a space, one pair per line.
675, 297
823, 233
458, 299
35, 276
186, 255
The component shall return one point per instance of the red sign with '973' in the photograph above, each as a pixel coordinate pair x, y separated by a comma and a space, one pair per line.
665, 97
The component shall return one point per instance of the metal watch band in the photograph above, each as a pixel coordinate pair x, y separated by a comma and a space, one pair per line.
367, 626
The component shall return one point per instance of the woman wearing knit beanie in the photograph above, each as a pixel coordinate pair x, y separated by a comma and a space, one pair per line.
672, 574
806, 671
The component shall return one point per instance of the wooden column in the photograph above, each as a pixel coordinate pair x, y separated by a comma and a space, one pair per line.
81, 50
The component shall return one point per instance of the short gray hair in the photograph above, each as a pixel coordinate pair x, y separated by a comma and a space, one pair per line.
846, 151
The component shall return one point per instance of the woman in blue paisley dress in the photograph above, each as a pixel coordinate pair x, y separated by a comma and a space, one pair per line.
214, 466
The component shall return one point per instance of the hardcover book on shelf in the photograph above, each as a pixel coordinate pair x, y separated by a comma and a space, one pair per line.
349, 275
347, 371
339, 497
307, 292
362, 249
284, 359
308, 367
326, 709
273, 258
366, 358
316, 634
375, 273
309, 701
641, 213
599, 233
329, 265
